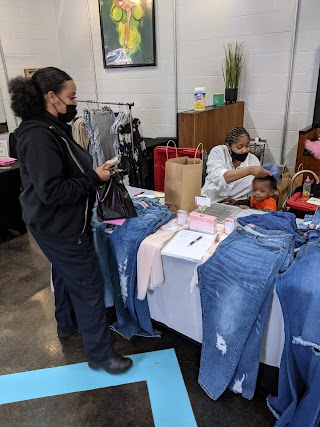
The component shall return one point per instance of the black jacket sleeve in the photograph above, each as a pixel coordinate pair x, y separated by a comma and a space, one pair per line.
44, 162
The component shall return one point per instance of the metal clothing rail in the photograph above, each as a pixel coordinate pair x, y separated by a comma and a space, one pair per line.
89, 101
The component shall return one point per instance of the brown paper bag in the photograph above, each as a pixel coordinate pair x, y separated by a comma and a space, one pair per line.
182, 182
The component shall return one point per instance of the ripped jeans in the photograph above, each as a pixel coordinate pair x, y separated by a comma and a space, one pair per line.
298, 400
133, 315
236, 287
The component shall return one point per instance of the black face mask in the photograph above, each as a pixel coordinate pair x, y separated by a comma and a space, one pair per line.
240, 157
70, 113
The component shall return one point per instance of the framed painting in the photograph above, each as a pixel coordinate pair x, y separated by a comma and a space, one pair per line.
128, 33
29, 72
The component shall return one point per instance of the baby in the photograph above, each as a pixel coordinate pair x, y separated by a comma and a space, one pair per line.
262, 191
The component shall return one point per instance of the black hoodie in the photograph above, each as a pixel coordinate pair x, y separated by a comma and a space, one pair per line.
57, 177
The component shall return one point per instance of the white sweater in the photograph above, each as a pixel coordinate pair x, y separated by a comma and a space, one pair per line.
215, 186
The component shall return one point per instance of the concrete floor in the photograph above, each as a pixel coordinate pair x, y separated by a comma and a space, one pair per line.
28, 341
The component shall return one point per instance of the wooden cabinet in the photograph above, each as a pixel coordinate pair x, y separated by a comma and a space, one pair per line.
303, 156
209, 126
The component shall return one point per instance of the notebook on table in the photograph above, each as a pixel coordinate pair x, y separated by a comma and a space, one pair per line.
180, 245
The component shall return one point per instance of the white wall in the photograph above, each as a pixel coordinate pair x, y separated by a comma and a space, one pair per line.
151, 88
305, 77
266, 28
28, 33
37, 33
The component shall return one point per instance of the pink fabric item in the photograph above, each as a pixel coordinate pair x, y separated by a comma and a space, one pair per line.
149, 262
115, 221
313, 147
7, 161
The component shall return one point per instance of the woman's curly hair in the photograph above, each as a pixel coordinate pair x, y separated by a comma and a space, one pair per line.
234, 134
27, 95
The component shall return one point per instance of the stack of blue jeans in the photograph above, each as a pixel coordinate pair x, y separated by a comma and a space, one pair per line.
236, 287
282, 221
120, 266
298, 400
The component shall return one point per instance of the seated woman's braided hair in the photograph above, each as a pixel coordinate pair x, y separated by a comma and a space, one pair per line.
234, 134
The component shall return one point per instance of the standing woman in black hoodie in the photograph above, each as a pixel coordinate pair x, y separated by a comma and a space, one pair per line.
59, 192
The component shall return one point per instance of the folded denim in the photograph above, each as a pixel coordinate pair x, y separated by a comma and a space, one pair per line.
282, 221
236, 286
298, 400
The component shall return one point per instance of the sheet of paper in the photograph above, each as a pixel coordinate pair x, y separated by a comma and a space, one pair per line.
314, 201
179, 246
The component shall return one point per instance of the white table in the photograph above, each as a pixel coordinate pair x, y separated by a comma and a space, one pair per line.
173, 305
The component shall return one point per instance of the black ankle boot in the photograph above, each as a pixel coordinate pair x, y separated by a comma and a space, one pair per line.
114, 364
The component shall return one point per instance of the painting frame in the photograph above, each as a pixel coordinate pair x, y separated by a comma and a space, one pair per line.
29, 72
108, 28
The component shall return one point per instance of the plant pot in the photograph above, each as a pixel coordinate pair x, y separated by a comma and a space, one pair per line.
231, 95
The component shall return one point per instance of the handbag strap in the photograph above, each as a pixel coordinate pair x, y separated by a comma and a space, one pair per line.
106, 193
175, 146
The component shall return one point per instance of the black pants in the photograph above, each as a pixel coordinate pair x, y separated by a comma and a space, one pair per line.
79, 293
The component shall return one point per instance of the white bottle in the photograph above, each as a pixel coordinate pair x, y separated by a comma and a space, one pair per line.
199, 98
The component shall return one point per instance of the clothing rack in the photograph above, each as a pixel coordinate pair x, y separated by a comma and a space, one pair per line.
88, 101
128, 104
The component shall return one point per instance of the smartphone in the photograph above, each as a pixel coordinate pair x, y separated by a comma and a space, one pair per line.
115, 161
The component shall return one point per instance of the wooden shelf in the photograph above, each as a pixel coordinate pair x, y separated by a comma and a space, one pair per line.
209, 126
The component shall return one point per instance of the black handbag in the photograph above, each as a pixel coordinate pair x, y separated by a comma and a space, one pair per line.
114, 201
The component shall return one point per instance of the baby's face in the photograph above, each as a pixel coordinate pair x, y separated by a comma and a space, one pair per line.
261, 190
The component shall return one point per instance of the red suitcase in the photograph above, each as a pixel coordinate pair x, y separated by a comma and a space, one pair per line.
161, 155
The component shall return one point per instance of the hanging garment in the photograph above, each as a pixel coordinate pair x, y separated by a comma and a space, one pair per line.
133, 150
298, 400
79, 133
92, 131
108, 141
236, 288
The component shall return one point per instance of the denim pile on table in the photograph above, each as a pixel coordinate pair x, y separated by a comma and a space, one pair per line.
118, 259
236, 286
283, 221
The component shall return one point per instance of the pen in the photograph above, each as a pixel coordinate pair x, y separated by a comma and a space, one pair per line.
196, 240
138, 194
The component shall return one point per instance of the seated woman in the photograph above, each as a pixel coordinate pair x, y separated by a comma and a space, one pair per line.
231, 168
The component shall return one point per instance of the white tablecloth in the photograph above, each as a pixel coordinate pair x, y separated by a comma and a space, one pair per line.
173, 305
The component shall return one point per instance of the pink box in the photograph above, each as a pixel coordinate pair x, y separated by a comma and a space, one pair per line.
203, 223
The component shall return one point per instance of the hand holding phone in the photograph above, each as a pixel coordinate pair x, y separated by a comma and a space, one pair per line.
115, 161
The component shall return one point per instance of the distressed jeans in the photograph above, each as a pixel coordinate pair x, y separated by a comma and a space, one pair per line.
298, 400
236, 286
133, 316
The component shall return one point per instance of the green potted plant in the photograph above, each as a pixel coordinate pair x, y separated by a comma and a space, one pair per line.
231, 68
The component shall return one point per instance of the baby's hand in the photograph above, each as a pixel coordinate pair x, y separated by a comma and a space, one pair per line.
243, 207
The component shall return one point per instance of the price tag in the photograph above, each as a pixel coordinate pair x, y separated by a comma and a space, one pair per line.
202, 201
